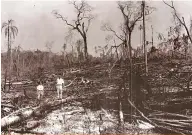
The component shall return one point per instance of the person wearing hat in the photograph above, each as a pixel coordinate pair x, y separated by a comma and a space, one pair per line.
60, 87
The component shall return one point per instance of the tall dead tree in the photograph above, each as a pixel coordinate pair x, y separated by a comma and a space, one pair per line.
144, 37
181, 21
81, 23
132, 13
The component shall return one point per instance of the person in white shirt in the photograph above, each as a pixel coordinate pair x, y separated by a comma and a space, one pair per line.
40, 91
60, 87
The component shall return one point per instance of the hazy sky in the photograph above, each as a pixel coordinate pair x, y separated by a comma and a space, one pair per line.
37, 25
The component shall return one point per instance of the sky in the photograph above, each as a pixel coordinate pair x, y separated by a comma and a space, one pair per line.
37, 25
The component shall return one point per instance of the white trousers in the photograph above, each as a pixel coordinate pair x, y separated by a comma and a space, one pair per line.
40, 94
59, 91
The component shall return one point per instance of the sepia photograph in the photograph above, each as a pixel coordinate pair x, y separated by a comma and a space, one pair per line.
96, 67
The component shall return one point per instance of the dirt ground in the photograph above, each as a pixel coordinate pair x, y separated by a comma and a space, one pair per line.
97, 113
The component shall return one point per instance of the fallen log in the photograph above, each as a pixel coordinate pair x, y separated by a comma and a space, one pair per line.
9, 106
177, 121
181, 128
26, 113
16, 117
170, 116
174, 124
157, 126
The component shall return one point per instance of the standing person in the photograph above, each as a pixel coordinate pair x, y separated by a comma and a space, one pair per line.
40, 91
60, 86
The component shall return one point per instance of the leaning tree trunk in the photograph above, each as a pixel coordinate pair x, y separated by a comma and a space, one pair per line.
188, 33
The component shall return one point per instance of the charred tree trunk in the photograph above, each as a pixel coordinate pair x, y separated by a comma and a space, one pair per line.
144, 42
85, 48
137, 93
130, 62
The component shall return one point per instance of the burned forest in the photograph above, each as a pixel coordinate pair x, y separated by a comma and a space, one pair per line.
96, 67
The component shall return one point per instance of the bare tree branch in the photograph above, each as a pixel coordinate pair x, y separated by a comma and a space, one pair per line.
136, 20
82, 21
179, 19
59, 16
171, 6
107, 27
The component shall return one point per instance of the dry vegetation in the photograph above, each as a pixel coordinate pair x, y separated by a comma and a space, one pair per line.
113, 93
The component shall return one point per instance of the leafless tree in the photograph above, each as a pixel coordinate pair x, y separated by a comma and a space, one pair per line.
181, 20
81, 23
132, 13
